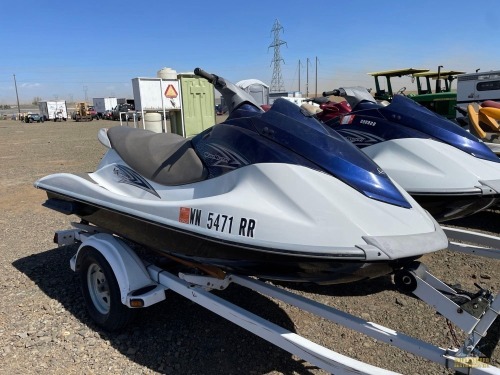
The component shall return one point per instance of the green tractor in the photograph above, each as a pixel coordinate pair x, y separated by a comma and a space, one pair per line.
442, 100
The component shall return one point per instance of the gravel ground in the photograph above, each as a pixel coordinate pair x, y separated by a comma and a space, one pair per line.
44, 327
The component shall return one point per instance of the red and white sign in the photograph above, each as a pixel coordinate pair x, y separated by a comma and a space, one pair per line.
171, 92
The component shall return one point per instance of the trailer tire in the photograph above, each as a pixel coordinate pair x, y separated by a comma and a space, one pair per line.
101, 292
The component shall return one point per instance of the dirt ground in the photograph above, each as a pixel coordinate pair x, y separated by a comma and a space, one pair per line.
44, 327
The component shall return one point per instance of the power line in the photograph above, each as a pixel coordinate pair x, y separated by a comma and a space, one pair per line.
277, 80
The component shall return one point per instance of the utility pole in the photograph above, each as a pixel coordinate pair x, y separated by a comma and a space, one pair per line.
85, 88
316, 85
299, 74
17, 97
307, 77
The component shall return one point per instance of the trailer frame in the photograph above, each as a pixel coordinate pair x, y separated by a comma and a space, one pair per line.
143, 284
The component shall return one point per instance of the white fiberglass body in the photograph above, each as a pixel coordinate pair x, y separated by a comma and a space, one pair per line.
290, 207
427, 166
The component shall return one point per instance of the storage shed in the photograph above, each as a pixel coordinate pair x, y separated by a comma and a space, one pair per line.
257, 89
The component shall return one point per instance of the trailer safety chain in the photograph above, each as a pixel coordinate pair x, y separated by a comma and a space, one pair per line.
453, 333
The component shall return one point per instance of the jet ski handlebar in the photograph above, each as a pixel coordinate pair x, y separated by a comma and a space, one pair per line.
212, 78
318, 100
335, 92
234, 96
200, 72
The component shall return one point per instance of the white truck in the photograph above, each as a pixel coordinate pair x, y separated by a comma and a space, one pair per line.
104, 105
55, 110
478, 87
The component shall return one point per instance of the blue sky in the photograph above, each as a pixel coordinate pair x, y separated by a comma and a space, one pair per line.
64, 49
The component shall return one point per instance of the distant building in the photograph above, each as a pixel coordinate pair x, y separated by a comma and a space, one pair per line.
293, 96
257, 89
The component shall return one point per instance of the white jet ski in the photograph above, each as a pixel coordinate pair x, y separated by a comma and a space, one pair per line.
274, 195
447, 170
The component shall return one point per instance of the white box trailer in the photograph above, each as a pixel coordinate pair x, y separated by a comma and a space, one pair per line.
102, 105
53, 110
478, 87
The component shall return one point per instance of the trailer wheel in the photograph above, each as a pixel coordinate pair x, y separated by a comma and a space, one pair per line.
405, 281
101, 292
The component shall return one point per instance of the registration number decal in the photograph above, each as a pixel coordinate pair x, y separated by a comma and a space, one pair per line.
218, 222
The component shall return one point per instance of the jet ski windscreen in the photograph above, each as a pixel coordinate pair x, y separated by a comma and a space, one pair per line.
286, 124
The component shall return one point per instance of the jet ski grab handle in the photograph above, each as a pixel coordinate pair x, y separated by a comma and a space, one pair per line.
234, 96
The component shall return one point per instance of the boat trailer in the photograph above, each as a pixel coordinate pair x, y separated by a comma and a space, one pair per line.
143, 284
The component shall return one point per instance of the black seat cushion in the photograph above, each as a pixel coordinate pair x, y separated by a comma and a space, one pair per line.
165, 158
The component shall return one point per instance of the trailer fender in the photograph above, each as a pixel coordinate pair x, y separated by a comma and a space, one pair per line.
129, 270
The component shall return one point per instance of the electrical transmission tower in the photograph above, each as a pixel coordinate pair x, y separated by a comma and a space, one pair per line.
277, 81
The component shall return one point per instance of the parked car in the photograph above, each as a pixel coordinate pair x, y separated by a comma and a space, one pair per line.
93, 113
107, 115
127, 108
220, 109
33, 117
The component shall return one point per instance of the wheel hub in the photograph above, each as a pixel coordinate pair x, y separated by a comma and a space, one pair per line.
98, 288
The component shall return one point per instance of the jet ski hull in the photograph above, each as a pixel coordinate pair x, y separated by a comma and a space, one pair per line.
273, 264
448, 183
326, 244
444, 207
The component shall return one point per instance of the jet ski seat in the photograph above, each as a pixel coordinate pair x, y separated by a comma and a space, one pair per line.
165, 158
475, 128
490, 116
490, 104
311, 108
